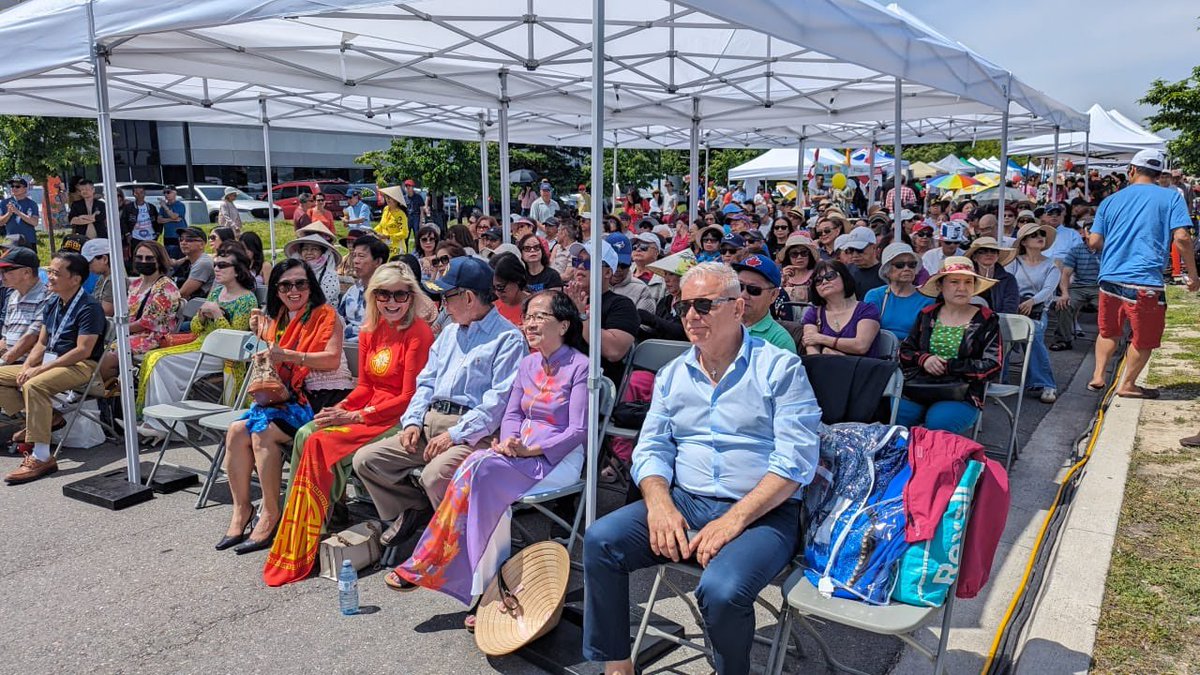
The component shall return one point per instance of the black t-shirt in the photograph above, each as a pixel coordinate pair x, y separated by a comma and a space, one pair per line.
547, 278
865, 278
617, 312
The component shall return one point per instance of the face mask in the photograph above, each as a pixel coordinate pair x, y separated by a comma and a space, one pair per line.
145, 268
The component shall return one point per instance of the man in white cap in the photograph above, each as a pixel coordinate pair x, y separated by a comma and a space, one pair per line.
864, 260
646, 248
95, 251
1133, 229
619, 321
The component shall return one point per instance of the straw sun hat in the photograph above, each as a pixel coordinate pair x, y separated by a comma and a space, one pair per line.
955, 264
1006, 253
1029, 228
525, 601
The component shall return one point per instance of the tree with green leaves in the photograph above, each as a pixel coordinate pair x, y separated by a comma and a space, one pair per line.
1178, 106
45, 147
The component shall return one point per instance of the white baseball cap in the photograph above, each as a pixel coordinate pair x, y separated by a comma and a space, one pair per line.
608, 254
859, 238
1154, 160
906, 215
94, 247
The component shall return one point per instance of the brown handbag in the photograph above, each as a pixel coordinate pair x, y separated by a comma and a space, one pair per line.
264, 384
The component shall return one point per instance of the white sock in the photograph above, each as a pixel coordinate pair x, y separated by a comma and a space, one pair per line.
41, 452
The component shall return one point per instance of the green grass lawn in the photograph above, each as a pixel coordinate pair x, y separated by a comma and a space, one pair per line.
1150, 621
283, 234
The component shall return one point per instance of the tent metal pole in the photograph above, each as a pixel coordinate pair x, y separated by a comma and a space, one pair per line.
702, 196
694, 159
187, 155
1087, 164
616, 185
871, 172
1003, 160
266, 129
117, 256
1054, 170
594, 372
505, 185
896, 166
483, 166
800, 143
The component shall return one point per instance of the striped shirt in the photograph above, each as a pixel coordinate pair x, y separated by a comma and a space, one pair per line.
23, 314
1086, 264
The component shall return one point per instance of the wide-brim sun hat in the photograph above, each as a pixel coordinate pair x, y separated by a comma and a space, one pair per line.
955, 264
676, 263
1029, 228
1006, 253
715, 229
317, 228
891, 252
293, 247
525, 600
800, 240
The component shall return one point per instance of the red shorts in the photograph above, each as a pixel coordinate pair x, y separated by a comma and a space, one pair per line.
1147, 316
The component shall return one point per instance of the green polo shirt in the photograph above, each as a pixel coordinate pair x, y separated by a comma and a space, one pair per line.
771, 332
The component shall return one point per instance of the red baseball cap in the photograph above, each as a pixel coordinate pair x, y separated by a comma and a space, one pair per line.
410, 183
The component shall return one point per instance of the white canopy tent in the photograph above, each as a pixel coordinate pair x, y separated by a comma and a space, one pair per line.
1111, 135
781, 66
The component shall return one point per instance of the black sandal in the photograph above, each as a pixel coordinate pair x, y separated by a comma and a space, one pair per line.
1061, 346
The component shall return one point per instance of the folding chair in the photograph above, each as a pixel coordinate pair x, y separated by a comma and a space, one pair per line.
537, 499
895, 391
801, 600
1015, 330
73, 400
260, 292
889, 344
649, 355
351, 351
188, 309
794, 311
223, 344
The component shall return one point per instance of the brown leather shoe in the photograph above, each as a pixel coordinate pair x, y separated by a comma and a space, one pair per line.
1190, 441
31, 469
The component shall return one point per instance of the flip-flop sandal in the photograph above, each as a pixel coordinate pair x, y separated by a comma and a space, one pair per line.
1148, 394
395, 583
1060, 347
469, 623
1093, 387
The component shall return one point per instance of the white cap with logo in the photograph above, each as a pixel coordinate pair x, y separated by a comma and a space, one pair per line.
94, 247
1154, 160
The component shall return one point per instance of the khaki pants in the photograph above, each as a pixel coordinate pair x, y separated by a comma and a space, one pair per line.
35, 396
384, 469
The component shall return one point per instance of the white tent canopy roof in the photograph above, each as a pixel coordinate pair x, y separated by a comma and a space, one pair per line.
780, 64
781, 164
1112, 135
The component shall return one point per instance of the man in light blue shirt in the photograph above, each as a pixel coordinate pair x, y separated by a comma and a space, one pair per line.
730, 437
357, 213
460, 398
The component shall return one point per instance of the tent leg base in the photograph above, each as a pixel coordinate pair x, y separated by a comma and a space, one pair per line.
110, 490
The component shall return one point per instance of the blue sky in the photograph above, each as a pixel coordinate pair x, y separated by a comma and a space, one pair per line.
1078, 51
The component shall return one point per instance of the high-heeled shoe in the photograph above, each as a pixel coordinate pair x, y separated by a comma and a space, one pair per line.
229, 541
251, 546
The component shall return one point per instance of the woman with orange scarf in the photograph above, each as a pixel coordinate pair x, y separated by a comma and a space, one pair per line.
392, 349
305, 338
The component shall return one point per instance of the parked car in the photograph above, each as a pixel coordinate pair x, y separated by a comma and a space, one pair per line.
211, 195
286, 195
153, 190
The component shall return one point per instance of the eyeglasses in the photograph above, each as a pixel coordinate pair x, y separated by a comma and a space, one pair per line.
728, 250
539, 317
531, 248
429, 237
642, 246
781, 228
1022, 221
906, 265
220, 264
703, 306
827, 276
142, 258
451, 295
710, 240
827, 231
924, 234
753, 291
799, 253
581, 263
1036, 235
987, 251
288, 286
320, 199
442, 261
384, 295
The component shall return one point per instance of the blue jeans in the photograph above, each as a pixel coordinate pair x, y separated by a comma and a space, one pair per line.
953, 416
619, 544
1040, 375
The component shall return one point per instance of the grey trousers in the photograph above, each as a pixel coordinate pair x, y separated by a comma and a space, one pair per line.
385, 468
1064, 319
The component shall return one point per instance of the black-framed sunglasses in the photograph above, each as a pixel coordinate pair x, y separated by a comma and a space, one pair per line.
799, 253
441, 261
827, 276
781, 228
532, 248
642, 246
728, 250
220, 264
753, 291
289, 286
905, 265
384, 295
320, 199
452, 294
703, 306
987, 251
584, 264
710, 240
924, 234
429, 237
826, 231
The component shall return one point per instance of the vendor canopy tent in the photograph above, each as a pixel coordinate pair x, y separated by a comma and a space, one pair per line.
1112, 135
779, 64
781, 164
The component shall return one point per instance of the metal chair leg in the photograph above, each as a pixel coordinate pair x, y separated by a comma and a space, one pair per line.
637, 640
211, 479
939, 662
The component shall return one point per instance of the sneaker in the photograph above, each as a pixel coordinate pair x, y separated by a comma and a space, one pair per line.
149, 432
31, 469
1049, 395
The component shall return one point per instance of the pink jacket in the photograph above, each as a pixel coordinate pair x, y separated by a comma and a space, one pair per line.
938, 460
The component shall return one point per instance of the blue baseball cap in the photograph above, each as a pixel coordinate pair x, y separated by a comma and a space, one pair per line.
731, 208
621, 245
762, 265
466, 272
733, 239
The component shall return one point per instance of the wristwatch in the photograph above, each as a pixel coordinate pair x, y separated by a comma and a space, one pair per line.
583, 316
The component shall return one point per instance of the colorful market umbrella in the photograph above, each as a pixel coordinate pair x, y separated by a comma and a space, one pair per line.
786, 190
952, 181
988, 179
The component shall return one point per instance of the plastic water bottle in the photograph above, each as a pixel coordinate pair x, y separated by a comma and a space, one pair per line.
348, 589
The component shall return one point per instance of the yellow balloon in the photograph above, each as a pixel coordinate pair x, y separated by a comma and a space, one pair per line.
839, 181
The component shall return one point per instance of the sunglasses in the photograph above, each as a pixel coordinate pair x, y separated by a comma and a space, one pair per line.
753, 291
923, 234
289, 286
581, 263
703, 306
822, 233
1023, 221
728, 250
781, 228
799, 253
320, 199
642, 247
442, 261
531, 248
987, 251
909, 265
827, 276
710, 240
384, 295
220, 264
429, 237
